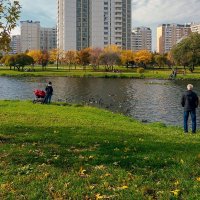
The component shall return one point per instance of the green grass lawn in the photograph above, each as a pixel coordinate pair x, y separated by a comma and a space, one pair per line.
74, 152
123, 72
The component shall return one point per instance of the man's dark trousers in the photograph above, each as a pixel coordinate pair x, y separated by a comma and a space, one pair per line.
193, 117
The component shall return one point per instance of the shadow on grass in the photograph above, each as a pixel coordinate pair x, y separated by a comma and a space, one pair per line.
69, 147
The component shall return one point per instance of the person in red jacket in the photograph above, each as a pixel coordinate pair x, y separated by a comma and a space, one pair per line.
190, 102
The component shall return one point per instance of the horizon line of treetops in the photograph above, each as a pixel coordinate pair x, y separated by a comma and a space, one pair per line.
186, 54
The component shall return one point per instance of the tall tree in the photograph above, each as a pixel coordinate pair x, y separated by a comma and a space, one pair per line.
95, 57
109, 59
9, 14
127, 56
187, 52
84, 57
70, 57
161, 60
143, 57
36, 55
56, 56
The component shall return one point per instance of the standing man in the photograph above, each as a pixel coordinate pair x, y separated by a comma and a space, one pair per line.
190, 102
49, 93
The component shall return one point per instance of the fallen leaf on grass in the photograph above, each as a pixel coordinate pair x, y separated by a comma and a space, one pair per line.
99, 196
198, 179
100, 167
122, 187
176, 192
82, 173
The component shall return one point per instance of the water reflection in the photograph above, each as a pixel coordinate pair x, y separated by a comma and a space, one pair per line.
147, 100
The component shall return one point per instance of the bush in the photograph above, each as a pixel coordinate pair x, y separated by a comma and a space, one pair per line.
140, 70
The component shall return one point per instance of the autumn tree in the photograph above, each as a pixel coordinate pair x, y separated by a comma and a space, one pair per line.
143, 57
45, 59
9, 14
127, 57
36, 55
70, 57
109, 59
84, 57
112, 48
56, 56
95, 57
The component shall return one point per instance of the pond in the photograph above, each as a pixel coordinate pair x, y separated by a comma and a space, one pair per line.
144, 100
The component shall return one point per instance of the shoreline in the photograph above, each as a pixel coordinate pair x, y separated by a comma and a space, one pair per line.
122, 75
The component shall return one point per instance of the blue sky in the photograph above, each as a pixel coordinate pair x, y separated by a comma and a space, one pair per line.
145, 12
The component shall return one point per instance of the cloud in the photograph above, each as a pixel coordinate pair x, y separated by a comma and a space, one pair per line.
39, 10
152, 12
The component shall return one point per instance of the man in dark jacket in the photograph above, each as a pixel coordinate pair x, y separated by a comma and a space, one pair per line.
49, 93
190, 102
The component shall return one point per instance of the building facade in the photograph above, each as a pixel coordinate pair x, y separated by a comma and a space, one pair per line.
141, 39
35, 37
48, 38
30, 35
93, 23
169, 34
195, 28
15, 44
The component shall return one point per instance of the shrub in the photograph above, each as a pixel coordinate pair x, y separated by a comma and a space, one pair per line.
140, 70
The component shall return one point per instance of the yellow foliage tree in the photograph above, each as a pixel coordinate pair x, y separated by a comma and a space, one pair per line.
112, 48
56, 56
127, 56
36, 55
143, 57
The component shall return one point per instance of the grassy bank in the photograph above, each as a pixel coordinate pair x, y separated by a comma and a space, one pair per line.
121, 72
73, 152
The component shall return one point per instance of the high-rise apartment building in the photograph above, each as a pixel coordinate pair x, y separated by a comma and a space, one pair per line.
195, 28
141, 39
35, 37
30, 35
169, 34
48, 38
15, 44
93, 23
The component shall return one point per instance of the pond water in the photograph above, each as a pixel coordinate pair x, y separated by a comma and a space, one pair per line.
145, 100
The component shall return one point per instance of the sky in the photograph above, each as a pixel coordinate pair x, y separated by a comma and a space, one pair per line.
148, 13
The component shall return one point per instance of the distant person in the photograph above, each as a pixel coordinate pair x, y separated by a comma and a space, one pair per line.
49, 93
190, 102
